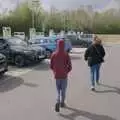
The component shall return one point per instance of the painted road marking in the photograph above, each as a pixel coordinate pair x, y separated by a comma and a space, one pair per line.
16, 72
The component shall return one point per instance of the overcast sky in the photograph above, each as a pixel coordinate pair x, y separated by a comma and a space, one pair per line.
60, 4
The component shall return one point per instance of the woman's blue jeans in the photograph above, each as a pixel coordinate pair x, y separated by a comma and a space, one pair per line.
95, 73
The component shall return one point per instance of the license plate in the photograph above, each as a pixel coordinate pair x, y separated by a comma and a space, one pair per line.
41, 56
2, 69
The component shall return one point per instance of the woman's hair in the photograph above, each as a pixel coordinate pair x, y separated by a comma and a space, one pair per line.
97, 40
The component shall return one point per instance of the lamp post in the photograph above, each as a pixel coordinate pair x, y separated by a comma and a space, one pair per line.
33, 14
35, 5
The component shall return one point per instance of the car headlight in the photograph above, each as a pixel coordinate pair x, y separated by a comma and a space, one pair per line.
27, 52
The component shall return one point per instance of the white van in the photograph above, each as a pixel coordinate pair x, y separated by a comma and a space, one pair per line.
20, 35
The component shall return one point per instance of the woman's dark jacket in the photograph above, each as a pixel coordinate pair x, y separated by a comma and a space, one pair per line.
94, 54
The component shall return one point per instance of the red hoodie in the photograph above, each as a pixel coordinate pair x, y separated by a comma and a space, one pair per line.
60, 62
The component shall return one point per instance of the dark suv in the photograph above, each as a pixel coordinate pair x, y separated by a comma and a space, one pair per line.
3, 64
18, 52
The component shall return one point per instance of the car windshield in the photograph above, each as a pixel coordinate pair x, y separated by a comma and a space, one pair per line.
18, 33
65, 39
38, 41
42, 41
52, 40
16, 41
48, 40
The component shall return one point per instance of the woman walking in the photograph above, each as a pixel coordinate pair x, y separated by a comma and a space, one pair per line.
95, 56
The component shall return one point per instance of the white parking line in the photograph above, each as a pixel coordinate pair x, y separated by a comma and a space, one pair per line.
18, 72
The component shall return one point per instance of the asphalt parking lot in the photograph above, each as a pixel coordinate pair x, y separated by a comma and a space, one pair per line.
29, 93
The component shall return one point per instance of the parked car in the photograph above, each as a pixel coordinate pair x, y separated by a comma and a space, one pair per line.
82, 41
20, 35
3, 64
86, 39
19, 52
68, 44
50, 44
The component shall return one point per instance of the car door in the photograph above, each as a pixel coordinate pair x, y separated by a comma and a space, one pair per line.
4, 48
51, 44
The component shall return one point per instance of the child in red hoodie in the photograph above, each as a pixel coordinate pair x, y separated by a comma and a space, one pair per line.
61, 66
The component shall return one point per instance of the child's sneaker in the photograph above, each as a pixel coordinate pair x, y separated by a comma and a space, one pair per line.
93, 88
57, 107
98, 83
62, 105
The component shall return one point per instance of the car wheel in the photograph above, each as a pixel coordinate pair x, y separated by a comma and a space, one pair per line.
19, 61
86, 45
68, 51
1, 74
48, 53
41, 60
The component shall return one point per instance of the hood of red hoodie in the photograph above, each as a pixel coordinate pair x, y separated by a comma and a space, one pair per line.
60, 46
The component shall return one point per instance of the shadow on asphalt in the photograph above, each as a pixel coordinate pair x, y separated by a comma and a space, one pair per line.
8, 83
76, 113
113, 89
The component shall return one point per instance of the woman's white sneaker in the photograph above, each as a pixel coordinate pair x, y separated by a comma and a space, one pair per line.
93, 88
